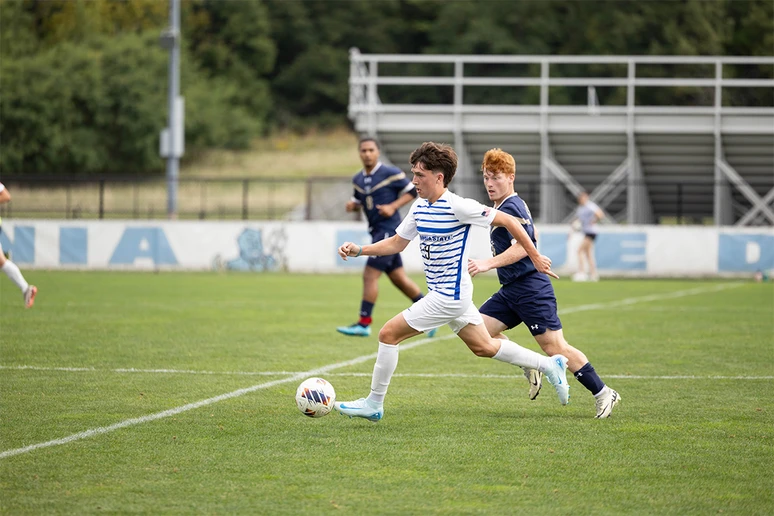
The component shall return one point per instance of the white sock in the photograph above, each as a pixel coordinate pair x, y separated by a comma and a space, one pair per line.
512, 353
12, 271
386, 362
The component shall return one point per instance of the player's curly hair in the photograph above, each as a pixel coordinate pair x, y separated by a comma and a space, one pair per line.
437, 157
497, 160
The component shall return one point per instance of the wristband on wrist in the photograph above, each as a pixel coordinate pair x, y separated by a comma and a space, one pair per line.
360, 250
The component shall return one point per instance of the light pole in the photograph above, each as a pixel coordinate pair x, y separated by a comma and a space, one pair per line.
173, 137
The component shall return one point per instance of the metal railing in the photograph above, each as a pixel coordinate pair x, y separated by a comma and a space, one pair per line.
366, 77
316, 198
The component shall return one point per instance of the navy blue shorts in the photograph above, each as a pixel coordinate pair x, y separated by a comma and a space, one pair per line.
529, 300
385, 263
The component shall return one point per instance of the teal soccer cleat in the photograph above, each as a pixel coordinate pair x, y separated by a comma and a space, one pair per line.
360, 408
557, 376
355, 330
432, 333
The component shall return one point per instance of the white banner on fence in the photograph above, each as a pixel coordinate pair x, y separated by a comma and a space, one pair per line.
689, 251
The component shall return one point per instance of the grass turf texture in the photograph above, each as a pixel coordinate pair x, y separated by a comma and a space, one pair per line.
465, 441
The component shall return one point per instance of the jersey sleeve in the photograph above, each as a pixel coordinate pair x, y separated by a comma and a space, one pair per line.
2, 187
408, 227
470, 211
402, 185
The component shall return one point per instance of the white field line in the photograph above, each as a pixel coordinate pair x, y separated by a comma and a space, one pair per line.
405, 375
313, 372
202, 403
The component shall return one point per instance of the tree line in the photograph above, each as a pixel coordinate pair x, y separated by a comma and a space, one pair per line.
83, 83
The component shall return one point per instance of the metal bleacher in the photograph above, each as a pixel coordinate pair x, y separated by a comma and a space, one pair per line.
700, 162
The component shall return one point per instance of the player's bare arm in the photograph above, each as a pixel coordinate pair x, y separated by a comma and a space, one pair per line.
392, 245
542, 262
352, 205
4, 196
512, 255
387, 210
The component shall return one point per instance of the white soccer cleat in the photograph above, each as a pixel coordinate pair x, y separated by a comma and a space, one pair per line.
535, 379
557, 376
29, 296
606, 400
360, 408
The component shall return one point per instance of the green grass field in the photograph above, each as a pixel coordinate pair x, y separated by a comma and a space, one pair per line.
110, 363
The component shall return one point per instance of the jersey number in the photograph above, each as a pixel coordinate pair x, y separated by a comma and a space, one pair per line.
425, 250
369, 203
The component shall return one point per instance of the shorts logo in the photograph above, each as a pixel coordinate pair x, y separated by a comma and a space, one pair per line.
533, 327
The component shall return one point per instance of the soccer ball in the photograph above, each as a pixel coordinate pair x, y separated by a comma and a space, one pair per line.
315, 397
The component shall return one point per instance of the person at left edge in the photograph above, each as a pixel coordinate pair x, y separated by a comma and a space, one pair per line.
379, 191
9, 268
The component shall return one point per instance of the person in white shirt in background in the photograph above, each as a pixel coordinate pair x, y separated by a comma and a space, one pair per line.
587, 215
9, 268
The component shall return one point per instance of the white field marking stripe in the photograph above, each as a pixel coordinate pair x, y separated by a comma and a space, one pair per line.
209, 401
184, 408
512, 376
652, 297
405, 375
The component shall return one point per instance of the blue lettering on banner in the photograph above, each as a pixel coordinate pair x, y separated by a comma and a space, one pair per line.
360, 237
73, 246
745, 253
621, 251
554, 245
143, 243
23, 246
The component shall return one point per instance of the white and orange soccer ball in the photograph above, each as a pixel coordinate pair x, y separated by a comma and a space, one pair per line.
315, 397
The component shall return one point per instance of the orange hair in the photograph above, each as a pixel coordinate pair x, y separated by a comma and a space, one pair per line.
497, 160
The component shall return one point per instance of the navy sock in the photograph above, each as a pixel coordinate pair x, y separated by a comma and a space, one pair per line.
365, 312
589, 378
420, 296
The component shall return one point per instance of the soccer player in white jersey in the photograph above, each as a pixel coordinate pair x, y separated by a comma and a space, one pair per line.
442, 220
587, 215
9, 268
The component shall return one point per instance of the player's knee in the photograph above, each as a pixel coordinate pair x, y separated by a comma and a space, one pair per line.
387, 336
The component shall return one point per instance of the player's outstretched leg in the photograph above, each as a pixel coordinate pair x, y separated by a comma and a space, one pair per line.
360, 408
606, 400
557, 376
535, 379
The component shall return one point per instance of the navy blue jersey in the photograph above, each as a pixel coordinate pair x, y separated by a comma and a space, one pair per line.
501, 240
382, 186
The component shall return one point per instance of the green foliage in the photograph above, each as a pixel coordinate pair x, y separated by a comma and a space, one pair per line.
98, 107
251, 66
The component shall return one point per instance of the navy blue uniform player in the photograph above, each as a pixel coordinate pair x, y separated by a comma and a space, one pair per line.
527, 296
380, 190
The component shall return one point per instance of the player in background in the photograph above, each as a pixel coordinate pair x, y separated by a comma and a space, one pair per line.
380, 190
526, 295
442, 220
9, 268
587, 215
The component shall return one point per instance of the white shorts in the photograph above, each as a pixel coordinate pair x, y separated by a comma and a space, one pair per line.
434, 310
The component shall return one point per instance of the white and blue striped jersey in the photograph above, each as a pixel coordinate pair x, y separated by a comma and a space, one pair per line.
444, 231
